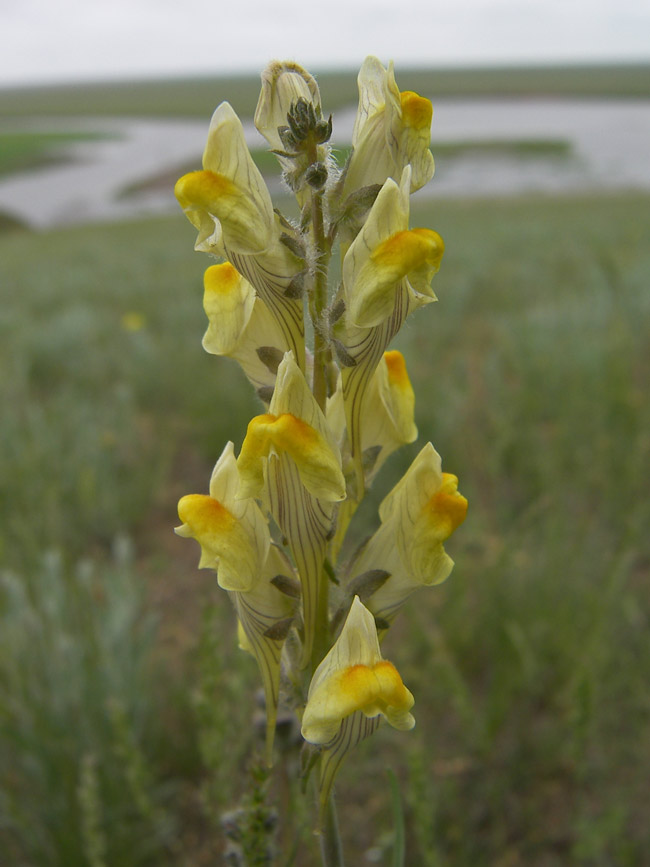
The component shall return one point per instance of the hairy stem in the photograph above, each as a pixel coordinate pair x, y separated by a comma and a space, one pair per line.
318, 295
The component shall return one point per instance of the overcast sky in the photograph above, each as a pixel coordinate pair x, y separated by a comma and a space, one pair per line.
64, 40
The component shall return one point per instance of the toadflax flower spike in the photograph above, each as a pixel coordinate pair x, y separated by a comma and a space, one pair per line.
350, 692
290, 459
417, 516
235, 541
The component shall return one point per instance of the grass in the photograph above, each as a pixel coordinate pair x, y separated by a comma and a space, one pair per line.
120, 682
20, 151
197, 97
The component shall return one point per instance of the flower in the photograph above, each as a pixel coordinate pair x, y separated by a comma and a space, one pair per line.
386, 274
235, 541
228, 201
289, 116
417, 516
291, 460
352, 689
391, 130
233, 534
230, 205
242, 326
283, 84
354, 677
388, 423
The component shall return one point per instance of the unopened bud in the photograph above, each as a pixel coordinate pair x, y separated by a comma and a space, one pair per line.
316, 175
323, 130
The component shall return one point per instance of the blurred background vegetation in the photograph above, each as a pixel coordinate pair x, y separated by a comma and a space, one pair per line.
128, 716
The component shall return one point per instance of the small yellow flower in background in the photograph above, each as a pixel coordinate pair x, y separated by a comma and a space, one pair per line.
133, 321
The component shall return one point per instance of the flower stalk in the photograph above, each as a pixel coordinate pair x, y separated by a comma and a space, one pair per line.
277, 513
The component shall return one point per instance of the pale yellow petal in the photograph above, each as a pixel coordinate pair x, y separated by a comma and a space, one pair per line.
225, 544
228, 301
242, 327
318, 465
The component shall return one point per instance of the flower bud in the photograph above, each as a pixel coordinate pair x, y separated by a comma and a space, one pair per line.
287, 89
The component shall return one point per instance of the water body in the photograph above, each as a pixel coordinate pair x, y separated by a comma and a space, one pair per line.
608, 142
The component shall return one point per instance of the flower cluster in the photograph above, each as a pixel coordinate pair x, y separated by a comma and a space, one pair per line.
276, 516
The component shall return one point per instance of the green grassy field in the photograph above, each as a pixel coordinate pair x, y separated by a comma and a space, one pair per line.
126, 710
194, 97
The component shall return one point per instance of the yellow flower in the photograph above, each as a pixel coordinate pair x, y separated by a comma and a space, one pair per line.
391, 130
228, 201
290, 458
355, 677
233, 534
351, 691
242, 327
386, 275
230, 205
283, 84
235, 541
417, 516
133, 321
388, 423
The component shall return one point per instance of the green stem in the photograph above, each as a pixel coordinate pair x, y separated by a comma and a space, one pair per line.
318, 296
322, 630
319, 299
331, 848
